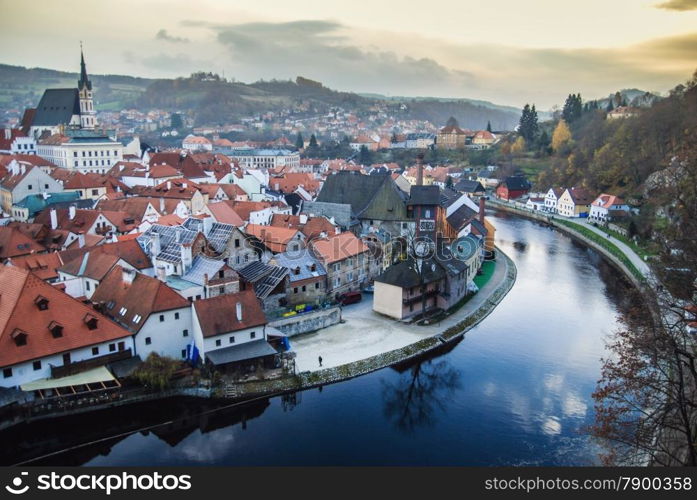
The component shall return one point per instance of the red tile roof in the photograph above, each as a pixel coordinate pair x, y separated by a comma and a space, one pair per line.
224, 213
43, 265
14, 243
275, 238
19, 290
338, 247
217, 315
142, 297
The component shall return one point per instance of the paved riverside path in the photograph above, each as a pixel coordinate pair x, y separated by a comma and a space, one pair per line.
626, 249
367, 333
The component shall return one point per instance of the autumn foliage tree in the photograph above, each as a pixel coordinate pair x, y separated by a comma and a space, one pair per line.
646, 400
561, 135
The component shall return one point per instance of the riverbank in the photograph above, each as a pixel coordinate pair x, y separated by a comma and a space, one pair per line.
348, 353
618, 254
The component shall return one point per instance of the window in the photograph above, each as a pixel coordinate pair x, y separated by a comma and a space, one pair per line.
66, 358
95, 351
185, 333
95, 192
45, 186
87, 284
237, 243
162, 318
75, 153
137, 318
252, 335
350, 276
148, 341
176, 315
232, 339
36, 365
112, 347
317, 286
123, 311
7, 372
41, 303
29, 187
122, 346
295, 290
217, 343
183, 353
304, 288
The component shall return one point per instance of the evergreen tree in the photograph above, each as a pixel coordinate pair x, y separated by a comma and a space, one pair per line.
573, 108
449, 182
610, 107
313, 141
488, 126
452, 122
299, 142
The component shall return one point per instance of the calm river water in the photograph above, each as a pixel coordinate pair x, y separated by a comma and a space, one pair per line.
515, 391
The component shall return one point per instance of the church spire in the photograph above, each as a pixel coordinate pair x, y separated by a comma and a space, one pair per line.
83, 81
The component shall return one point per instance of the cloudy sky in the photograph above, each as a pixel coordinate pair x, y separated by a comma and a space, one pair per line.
506, 51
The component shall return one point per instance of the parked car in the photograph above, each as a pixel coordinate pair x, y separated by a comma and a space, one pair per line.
347, 298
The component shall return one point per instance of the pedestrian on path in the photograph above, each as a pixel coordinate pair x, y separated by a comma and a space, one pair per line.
320, 360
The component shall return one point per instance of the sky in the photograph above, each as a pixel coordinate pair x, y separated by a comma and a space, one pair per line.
506, 51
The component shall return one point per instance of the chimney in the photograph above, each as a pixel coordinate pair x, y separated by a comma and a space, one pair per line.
161, 275
482, 206
155, 245
169, 185
419, 169
185, 185
303, 219
81, 239
71, 212
186, 258
54, 219
238, 311
207, 225
162, 206
127, 275
8, 133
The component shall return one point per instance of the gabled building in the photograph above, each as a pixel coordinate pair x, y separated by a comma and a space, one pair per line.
268, 282
606, 207
552, 199
45, 332
375, 200
230, 331
575, 202
158, 318
307, 278
23, 180
15, 141
346, 259
513, 187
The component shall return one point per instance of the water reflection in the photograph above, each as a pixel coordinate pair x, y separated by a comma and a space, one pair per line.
420, 394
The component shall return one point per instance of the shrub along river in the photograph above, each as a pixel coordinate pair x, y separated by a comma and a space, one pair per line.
515, 391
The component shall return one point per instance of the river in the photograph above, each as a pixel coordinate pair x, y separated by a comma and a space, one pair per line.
515, 391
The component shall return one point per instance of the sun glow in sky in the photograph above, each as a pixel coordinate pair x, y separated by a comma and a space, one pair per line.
508, 51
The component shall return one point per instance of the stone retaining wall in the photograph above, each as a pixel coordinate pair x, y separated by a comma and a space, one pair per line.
308, 322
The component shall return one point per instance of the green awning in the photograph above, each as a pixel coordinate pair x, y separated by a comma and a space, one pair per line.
93, 376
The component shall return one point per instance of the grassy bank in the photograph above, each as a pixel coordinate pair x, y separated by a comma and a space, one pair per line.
605, 243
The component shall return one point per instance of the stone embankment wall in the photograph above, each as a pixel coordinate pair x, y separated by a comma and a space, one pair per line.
308, 322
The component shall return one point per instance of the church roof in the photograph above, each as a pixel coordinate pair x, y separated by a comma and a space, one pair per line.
57, 106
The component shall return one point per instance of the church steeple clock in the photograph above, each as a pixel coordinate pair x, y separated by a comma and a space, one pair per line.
88, 116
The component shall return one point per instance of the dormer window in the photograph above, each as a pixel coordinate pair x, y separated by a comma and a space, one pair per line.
90, 321
19, 337
297, 270
56, 329
313, 268
41, 302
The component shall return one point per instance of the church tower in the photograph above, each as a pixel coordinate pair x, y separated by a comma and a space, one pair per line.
88, 116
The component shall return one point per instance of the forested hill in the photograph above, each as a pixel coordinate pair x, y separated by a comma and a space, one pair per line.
210, 99
620, 155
